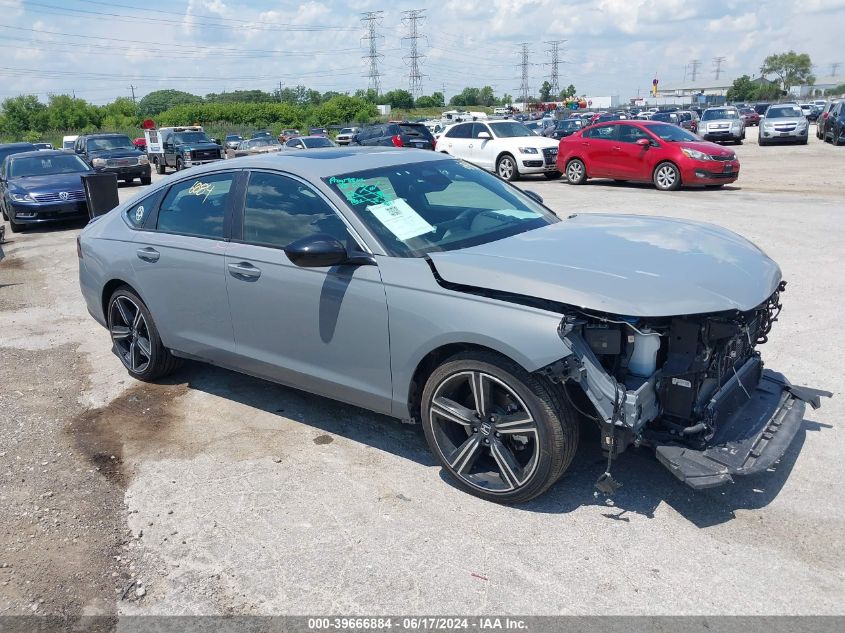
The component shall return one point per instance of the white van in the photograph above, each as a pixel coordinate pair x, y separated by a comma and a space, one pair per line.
68, 142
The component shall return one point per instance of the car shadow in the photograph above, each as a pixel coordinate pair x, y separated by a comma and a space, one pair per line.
73, 223
645, 482
625, 184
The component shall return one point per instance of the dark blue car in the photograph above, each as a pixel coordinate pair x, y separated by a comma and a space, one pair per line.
42, 186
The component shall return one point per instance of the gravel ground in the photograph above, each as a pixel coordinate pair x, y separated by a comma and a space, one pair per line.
215, 493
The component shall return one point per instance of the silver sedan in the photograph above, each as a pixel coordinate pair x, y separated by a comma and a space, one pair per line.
424, 288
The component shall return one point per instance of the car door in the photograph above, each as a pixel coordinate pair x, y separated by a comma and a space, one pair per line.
483, 151
179, 264
597, 144
628, 160
456, 141
323, 330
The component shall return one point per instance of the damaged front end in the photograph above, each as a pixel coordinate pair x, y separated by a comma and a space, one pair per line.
692, 387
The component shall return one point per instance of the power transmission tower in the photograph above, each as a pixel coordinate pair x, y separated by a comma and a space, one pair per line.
834, 67
412, 19
717, 63
524, 88
132, 88
370, 20
694, 64
554, 77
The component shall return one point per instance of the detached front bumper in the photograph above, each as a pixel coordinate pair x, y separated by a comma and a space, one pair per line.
755, 427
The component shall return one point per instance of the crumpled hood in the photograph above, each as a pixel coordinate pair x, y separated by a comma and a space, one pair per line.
623, 265
48, 184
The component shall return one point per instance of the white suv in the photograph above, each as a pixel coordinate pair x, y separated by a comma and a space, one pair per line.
507, 148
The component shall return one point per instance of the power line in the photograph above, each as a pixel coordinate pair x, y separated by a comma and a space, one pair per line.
717, 63
412, 18
694, 64
834, 67
553, 79
370, 20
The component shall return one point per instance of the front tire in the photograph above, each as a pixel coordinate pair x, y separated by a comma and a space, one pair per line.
503, 434
576, 172
506, 168
135, 338
667, 177
160, 167
146, 180
14, 226
178, 164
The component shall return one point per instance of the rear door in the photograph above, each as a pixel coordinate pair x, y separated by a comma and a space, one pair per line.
323, 330
597, 147
180, 268
457, 140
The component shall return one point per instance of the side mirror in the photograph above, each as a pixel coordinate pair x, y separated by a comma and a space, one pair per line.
484, 135
534, 196
643, 142
316, 251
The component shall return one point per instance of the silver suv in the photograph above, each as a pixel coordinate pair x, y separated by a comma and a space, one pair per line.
784, 122
722, 124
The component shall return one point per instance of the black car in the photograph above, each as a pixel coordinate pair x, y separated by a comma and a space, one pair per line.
834, 127
42, 186
821, 123
414, 135
114, 153
564, 128
760, 108
7, 149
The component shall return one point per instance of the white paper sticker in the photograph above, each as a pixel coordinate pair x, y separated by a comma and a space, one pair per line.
400, 219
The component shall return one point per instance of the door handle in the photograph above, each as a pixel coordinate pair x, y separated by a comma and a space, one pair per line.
244, 271
148, 254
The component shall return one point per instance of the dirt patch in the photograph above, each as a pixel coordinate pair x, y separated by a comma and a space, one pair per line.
12, 263
323, 439
140, 416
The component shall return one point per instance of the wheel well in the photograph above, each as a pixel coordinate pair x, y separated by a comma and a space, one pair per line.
430, 362
663, 162
499, 157
108, 291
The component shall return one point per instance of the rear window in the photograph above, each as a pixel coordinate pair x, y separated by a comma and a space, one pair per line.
415, 130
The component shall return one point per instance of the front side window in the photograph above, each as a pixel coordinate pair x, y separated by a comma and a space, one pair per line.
440, 205
280, 210
478, 128
196, 206
631, 134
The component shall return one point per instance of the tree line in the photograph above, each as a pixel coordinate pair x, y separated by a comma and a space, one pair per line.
789, 69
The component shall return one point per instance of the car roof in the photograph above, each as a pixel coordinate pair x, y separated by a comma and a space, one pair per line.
330, 161
40, 153
11, 145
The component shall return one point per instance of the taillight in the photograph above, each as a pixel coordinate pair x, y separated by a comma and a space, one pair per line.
78, 248
397, 141
824, 116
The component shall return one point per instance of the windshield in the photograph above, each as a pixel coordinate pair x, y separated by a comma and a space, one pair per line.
671, 133
107, 143
438, 205
260, 142
719, 113
41, 166
234, 137
67, 145
783, 112
320, 141
510, 129
190, 137
346, 130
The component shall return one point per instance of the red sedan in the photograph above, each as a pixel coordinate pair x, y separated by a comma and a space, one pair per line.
645, 151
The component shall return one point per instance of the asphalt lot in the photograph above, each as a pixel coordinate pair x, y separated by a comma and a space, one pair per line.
215, 493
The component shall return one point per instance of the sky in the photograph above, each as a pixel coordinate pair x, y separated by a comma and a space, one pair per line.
100, 49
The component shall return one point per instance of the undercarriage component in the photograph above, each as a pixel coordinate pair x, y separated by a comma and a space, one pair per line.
750, 437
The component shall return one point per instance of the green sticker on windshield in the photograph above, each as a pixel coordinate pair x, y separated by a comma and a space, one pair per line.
364, 192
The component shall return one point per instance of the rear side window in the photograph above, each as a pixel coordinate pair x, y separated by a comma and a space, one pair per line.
601, 132
138, 213
460, 131
196, 206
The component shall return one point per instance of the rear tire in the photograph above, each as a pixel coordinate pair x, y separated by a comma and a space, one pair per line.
666, 177
135, 338
179, 164
518, 445
506, 168
576, 172
160, 168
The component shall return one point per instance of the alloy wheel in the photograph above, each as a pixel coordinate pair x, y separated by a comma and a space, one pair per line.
574, 171
130, 334
484, 431
506, 168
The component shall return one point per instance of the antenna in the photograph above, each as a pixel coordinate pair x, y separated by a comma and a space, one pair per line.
370, 20
554, 79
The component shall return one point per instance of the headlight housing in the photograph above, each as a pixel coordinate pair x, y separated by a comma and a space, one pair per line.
695, 154
99, 162
143, 160
21, 197
186, 153
528, 150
